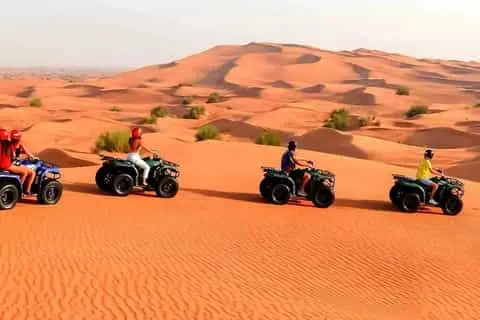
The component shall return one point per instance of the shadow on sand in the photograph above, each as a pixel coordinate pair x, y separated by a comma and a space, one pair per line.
379, 205
89, 188
247, 197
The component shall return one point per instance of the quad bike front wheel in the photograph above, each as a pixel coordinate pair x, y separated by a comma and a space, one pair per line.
410, 202
167, 187
122, 184
452, 206
9, 196
323, 198
280, 194
50, 193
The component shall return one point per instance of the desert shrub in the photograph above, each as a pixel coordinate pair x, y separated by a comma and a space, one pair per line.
195, 112
416, 110
187, 100
207, 132
477, 105
113, 141
363, 121
36, 102
115, 109
269, 138
149, 120
159, 112
213, 98
338, 119
403, 91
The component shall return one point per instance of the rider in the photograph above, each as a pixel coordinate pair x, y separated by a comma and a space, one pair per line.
135, 143
289, 162
17, 150
6, 157
424, 170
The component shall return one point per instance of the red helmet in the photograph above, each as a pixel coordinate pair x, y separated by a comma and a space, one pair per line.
3, 134
15, 135
136, 132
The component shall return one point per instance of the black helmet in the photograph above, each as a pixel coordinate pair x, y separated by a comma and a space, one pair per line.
292, 145
428, 153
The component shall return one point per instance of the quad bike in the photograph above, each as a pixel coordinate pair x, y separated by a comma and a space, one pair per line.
408, 194
120, 176
46, 186
278, 187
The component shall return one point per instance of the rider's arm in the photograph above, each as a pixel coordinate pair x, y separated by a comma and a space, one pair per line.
28, 153
433, 171
300, 162
146, 148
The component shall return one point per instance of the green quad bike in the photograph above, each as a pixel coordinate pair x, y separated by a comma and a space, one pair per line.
120, 176
278, 187
408, 194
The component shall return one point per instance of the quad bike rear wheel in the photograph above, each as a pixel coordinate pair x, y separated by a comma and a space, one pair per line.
323, 197
266, 188
9, 196
103, 179
395, 197
50, 193
410, 202
280, 194
452, 206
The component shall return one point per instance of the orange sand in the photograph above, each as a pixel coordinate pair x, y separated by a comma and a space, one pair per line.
217, 251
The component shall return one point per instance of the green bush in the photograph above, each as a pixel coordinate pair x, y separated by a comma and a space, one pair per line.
416, 110
207, 132
115, 109
113, 141
159, 112
403, 91
195, 112
36, 102
363, 121
213, 98
338, 119
269, 138
149, 120
187, 100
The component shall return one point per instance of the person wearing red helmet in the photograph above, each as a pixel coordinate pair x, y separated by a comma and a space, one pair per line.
6, 158
15, 138
135, 143
17, 150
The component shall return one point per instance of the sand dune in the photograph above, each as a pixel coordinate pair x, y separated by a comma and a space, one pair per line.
95, 256
443, 138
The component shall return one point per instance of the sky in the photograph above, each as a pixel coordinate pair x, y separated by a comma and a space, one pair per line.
135, 33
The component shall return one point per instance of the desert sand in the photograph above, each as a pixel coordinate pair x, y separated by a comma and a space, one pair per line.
217, 250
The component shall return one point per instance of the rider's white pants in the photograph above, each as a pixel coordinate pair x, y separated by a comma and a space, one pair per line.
135, 158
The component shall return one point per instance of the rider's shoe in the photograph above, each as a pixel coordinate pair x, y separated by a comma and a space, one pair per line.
301, 193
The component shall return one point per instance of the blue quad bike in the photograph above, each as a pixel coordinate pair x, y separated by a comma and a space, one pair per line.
46, 186
277, 187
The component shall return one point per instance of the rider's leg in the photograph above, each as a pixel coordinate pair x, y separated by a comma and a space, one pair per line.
21, 171
146, 169
29, 180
